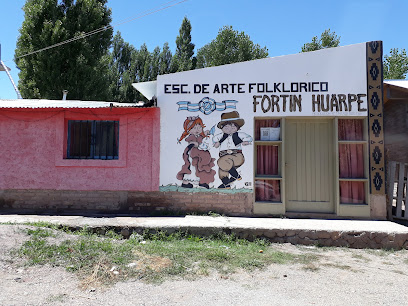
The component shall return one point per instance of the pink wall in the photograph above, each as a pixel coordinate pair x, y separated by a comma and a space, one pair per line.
33, 145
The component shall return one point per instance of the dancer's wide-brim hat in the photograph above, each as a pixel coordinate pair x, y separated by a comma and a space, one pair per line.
232, 117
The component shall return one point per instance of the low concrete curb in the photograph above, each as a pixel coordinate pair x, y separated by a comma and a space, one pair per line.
346, 233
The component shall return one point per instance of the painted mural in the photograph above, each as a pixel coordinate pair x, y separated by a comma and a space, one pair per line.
198, 163
207, 115
230, 143
210, 153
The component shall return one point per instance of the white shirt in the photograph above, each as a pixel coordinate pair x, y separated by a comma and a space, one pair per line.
228, 143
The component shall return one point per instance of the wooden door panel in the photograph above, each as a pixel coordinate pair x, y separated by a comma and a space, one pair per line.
309, 165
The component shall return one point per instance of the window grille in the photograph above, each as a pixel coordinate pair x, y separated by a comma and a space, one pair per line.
93, 139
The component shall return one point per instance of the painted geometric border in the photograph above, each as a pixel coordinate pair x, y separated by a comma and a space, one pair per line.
375, 116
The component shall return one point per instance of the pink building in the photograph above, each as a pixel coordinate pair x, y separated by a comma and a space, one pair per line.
76, 154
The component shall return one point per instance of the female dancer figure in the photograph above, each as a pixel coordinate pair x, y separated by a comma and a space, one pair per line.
198, 163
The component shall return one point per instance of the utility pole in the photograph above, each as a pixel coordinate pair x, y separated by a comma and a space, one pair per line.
7, 69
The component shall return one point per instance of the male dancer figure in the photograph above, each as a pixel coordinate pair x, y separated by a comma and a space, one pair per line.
230, 142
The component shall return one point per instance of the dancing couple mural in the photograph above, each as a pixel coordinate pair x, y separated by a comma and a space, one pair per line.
197, 169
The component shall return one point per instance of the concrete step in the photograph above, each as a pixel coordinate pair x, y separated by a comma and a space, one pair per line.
340, 233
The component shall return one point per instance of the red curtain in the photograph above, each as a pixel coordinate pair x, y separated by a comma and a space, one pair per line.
267, 164
352, 192
264, 123
351, 129
267, 160
267, 190
351, 161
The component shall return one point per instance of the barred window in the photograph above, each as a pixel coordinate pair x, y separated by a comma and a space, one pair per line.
93, 139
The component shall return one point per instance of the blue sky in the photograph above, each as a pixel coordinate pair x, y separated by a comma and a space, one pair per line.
282, 26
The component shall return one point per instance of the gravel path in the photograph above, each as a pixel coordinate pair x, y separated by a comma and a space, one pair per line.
340, 277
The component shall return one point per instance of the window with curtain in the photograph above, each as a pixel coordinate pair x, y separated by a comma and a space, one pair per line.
267, 182
267, 190
351, 161
267, 160
264, 123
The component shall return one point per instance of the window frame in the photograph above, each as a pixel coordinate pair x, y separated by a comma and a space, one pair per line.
61, 126
270, 207
353, 209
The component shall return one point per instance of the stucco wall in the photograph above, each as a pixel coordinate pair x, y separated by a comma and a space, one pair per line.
396, 130
33, 147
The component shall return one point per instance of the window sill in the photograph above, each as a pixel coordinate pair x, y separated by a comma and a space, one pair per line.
268, 142
109, 163
269, 202
353, 204
268, 177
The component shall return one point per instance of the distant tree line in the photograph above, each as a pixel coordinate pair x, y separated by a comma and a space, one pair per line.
102, 67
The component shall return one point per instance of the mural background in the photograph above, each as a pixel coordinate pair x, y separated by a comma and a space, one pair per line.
344, 69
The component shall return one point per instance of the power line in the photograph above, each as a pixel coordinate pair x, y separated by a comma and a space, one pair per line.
154, 10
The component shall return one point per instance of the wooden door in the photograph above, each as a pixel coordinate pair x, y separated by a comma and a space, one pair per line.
309, 165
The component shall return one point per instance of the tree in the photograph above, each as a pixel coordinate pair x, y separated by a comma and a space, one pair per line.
80, 66
154, 63
396, 65
327, 40
120, 72
228, 47
183, 58
165, 60
128, 65
141, 64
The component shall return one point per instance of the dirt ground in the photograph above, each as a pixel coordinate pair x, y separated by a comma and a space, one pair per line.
340, 277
